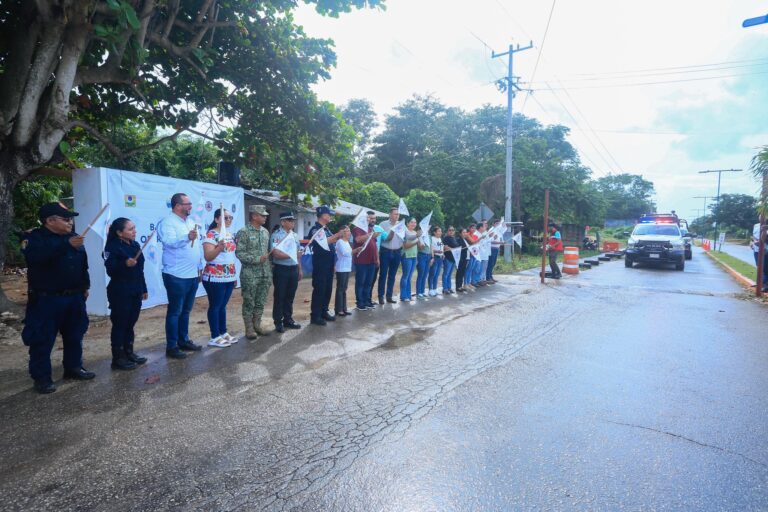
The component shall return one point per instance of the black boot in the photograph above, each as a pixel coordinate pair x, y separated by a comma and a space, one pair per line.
133, 356
120, 360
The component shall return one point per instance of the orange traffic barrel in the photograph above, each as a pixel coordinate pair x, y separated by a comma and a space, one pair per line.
610, 246
571, 260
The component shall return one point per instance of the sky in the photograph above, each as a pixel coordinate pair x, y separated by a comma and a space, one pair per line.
659, 88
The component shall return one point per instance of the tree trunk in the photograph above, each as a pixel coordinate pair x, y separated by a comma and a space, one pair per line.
7, 184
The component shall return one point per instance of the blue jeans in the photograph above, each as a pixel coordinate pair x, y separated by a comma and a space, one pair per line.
390, 260
218, 297
470, 270
480, 269
422, 267
363, 281
434, 273
765, 266
405, 281
447, 271
181, 297
492, 263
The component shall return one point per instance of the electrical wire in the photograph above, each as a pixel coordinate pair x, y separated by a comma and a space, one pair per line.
658, 82
541, 52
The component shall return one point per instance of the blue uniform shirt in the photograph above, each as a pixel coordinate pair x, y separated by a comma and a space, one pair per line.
318, 252
124, 279
53, 265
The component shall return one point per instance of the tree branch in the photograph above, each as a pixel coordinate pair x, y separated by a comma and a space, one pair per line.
176, 51
16, 71
96, 134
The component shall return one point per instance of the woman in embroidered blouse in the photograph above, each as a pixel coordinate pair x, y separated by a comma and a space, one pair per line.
219, 276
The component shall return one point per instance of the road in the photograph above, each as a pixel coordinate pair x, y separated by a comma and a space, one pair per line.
619, 389
742, 252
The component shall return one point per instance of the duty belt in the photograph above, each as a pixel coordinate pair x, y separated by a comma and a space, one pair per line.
62, 293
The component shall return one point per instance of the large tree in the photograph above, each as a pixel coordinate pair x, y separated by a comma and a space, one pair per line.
235, 71
628, 196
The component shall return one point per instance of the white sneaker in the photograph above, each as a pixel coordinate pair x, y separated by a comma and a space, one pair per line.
218, 341
433, 293
231, 339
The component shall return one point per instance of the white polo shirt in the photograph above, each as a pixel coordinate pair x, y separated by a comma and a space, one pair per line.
180, 258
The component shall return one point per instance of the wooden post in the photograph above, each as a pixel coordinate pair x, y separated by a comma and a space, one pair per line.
761, 242
545, 238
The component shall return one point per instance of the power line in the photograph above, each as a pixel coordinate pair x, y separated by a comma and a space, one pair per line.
659, 82
646, 70
662, 73
541, 52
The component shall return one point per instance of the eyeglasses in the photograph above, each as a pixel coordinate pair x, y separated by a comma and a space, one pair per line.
68, 220
228, 217
185, 204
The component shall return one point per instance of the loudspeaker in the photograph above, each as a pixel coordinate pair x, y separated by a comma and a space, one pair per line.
228, 174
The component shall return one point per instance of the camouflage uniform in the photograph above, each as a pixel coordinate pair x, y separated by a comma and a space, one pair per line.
255, 277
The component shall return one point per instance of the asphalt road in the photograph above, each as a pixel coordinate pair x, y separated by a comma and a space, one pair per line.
619, 389
742, 252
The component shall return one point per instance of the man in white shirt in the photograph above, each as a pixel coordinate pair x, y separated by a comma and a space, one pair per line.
389, 256
182, 264
755, 243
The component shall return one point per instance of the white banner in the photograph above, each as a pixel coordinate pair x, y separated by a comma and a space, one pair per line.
145, 199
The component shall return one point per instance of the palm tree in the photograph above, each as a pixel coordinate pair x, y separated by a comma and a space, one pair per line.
759, 168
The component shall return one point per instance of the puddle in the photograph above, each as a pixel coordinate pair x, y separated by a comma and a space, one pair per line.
407, 337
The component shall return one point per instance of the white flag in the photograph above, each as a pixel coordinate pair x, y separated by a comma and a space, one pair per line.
402, 209
424, 224
518, 238
500, 228
399, 229
223, 227
288, 246
321, 239
361, 220
456, 251
103, 225
474, 250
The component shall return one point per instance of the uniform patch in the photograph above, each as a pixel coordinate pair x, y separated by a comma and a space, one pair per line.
24, 244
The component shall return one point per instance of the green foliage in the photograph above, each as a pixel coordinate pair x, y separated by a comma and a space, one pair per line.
421, 202
627, 196
376, 195
735, 210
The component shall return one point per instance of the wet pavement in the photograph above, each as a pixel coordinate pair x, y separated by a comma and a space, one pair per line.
622, 388
742, 252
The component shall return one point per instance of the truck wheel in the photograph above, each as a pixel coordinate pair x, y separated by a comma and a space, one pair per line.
627, 263
680, 266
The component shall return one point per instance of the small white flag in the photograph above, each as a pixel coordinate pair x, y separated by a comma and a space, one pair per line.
424, 224
288, 246
518, 238
361, 220
321, 239
222, 219
474, 250
501, 228
399, 229
402, 209
456, 251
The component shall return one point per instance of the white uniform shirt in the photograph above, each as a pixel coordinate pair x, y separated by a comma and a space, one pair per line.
756, 237
180, 258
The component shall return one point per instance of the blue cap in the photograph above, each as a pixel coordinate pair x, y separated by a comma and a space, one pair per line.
325, 209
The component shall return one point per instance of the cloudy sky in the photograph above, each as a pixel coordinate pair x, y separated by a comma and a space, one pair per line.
659, 88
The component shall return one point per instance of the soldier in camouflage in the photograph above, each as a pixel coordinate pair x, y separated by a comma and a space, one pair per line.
256, 275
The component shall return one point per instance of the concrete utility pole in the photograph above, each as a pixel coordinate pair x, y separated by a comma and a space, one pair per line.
717, 199
511, 86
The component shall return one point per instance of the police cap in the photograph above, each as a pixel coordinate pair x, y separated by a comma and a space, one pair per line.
51, 209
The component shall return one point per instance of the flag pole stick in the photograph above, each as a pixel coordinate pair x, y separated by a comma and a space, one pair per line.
545, 238
144, 246
95, 219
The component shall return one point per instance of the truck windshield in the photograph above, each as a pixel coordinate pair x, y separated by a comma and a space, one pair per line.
657, 229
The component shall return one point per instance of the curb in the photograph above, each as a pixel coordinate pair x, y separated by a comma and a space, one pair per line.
743, 280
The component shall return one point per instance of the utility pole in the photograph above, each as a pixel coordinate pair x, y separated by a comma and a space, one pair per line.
511, 86
717, 199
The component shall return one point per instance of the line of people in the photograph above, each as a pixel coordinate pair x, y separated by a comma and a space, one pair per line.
59, 283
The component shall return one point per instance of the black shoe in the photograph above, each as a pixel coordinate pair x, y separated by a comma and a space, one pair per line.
328, 318
175, 353
381, 301
190, 347
318, 321
44, 387
292, 325
136, 358
371, 306
123, 363
279, 328
79, 374
391, 300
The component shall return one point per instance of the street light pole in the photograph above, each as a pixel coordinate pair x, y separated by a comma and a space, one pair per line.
717, 200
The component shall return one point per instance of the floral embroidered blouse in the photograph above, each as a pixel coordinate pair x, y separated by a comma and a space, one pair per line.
222, 268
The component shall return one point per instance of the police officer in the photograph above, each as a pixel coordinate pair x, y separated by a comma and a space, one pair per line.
57, 273
256, 275
322, 268
286, 274
125, 291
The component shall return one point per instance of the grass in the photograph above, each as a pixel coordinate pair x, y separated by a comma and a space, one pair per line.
736, 264
529, 261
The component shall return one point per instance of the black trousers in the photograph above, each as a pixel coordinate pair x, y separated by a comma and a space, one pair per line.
342, 280
124, 309
285, 279
460, 271
322, 286
553, 263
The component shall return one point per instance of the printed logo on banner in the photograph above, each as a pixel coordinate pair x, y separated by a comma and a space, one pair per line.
234, 208
130, 200
208, 206
168, 203
152, 253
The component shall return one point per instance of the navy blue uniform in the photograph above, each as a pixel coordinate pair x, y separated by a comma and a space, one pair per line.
124, 291
322, 273
57, 274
